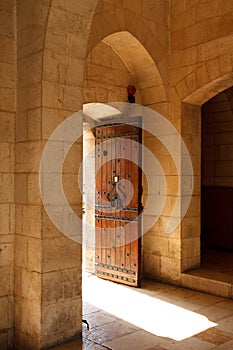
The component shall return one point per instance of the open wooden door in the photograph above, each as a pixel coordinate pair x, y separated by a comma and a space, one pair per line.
118, 202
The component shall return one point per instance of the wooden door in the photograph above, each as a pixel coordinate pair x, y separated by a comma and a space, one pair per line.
118, 202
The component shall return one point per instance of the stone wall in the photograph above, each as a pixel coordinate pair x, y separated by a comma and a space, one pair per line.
217, 141
7, 168
178, 54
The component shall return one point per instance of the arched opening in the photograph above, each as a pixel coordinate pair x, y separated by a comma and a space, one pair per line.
214, 213
114, 63
217, 184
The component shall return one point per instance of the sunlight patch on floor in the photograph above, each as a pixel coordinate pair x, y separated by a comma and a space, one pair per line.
149, 313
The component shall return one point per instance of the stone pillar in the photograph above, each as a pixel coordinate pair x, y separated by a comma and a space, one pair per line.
48, 305
190, 225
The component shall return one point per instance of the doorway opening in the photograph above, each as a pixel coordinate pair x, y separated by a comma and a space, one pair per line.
112, 183
217, 186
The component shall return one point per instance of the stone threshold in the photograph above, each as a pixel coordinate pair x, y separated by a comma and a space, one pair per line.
202, 282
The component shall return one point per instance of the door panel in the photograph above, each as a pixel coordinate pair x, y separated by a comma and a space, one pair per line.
118, 202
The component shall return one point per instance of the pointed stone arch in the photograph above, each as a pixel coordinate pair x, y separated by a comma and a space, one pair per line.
139, 64
109, 21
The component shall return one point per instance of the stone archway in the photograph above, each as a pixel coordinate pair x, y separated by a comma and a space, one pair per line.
114, 63
68, 39
191, 226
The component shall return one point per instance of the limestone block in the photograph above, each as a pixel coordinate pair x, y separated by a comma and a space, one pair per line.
73, 160
31, 13
190, 263
225, 64
179, 40
28, 285
55, 67
21, 251
179, 73
56, 42
174, 248
7, 75
21, 188
190, 247
61, 253
170, 268
152, 266
195, 34
171, 185
194, 207
25, 341
6, 127
32, 221
67, 22
19, 218
6, 23
155, 245
7, 188
52, 118
7, 99
49, 229
7, 53
5, 158
202, 75
71, 189
224, 24
34, 125
21, 131
52, 287
191, 82
32, 75
28, 156
6, 307
83, 8
67, 97
34, 254
169, 206
182, 20
76, 46
182, 89
33, 190
156, 11
6, 277
4, 218
213, 68
168, 165
208, 50
27, 318
61, 321
7, 6
30, 40
72, 282
29, 97
153, 95
177, 7
202, 11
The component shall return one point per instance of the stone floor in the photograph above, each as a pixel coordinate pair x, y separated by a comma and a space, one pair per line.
154, 317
